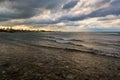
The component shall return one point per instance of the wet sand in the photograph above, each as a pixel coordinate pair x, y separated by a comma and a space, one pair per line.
24, 62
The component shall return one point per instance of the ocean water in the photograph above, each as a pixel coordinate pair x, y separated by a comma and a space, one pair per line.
104, 43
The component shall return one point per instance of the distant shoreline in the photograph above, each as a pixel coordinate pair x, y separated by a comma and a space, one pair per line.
14, 31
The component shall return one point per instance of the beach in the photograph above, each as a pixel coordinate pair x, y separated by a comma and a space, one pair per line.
47, 56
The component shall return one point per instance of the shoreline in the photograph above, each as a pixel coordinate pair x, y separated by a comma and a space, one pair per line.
43, 63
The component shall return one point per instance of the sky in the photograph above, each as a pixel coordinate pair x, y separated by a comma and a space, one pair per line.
61, 15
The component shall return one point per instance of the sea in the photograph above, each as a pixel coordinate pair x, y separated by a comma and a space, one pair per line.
98, 43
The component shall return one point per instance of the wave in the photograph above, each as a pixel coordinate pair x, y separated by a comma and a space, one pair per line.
103, 53
14, 41
63, 41
62, 38
90, 50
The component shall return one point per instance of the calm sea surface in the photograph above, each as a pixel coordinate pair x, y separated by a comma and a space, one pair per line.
107, 44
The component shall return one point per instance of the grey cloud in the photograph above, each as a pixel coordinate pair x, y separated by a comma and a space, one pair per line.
109, 18
72, 17
70, 4
29, 8
115, 2
112, 10
2, 0
25, 9
72, 24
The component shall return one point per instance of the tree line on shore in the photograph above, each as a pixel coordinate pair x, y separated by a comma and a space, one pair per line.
11, 30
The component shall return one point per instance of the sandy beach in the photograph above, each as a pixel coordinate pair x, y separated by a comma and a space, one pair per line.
22, 61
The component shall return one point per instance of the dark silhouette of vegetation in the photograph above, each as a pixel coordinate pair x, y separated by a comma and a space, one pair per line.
11, 30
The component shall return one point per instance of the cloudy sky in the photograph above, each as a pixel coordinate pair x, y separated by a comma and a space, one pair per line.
65, 15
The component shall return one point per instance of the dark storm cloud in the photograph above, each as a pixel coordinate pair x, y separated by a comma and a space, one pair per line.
27, 8
4, 17
114, 9
116, 2
70, 4
105, 12
1, 0
62, 10
72, 17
